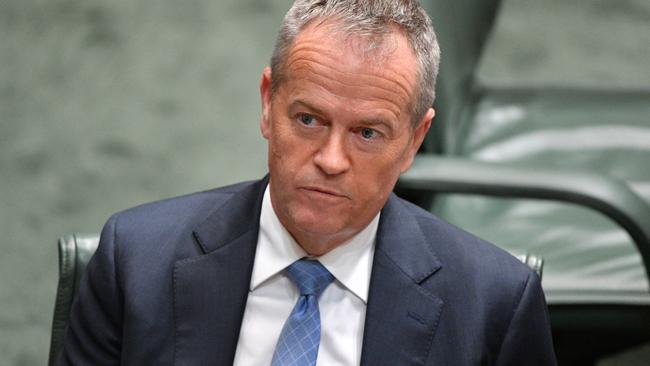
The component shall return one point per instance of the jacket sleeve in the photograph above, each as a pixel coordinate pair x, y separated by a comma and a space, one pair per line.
93, 335
528, 339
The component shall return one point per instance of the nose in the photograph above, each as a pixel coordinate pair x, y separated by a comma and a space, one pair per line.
332, 157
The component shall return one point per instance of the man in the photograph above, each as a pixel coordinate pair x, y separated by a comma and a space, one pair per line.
318, 263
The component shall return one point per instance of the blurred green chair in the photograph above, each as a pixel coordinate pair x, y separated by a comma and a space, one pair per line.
74, 253
559, 168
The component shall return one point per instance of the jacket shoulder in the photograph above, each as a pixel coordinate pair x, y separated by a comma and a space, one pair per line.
165, 227
459, 250
175, 211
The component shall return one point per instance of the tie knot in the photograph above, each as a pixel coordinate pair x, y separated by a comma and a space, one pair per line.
310, 276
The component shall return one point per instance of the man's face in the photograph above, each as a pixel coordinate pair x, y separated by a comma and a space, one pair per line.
339, 133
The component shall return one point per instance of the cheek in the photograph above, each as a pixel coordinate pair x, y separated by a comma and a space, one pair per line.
280, 141
379, 173
287, 151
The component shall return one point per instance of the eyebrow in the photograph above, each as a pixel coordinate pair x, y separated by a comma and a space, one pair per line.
379, 122
370, 122
300, 102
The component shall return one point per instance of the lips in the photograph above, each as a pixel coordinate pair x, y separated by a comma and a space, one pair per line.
325, 191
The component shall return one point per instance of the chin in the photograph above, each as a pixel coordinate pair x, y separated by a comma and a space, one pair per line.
318, 223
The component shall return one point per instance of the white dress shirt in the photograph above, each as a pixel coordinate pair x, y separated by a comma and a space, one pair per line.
273, 295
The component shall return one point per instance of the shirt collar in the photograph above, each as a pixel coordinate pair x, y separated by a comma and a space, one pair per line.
350, 263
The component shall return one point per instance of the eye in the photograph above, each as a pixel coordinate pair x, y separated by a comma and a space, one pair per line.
368, 133
306, 119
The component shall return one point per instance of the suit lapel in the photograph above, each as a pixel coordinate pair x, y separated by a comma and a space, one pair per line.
210, 290
401, 316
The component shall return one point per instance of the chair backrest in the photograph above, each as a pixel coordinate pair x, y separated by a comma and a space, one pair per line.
74, 253
462, 27
580, 123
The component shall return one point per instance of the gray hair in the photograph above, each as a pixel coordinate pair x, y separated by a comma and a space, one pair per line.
372, 19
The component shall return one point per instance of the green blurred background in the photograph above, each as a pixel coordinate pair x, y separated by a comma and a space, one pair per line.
105, 105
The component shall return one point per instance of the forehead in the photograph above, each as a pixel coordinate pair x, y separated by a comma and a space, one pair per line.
380, 69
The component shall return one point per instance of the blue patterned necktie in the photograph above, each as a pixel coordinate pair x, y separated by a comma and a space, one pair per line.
300, 337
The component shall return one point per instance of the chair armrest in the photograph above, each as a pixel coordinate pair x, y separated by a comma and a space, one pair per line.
609, 196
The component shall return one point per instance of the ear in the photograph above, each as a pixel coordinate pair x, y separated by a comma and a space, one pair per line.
265, 93
418, 137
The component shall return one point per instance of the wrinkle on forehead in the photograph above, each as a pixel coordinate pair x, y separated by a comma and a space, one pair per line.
332, 79
339, 65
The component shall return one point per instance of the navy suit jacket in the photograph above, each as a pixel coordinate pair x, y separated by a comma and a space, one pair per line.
169, 282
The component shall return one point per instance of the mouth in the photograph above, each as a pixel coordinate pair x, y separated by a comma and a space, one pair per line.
324, 191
